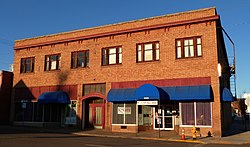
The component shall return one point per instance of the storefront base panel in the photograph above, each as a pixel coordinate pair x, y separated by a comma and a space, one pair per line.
201, 132
124, 128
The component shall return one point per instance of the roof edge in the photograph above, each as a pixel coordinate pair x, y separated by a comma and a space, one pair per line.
120, 23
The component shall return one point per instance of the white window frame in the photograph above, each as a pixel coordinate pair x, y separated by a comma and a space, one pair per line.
199, 126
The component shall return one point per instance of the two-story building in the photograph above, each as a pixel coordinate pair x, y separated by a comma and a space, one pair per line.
167, 72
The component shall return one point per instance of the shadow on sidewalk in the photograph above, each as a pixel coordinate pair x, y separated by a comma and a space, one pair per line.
239, 125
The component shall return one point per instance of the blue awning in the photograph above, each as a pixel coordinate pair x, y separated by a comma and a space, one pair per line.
149, 92
121, 95
188, 93
227, 95
54, 97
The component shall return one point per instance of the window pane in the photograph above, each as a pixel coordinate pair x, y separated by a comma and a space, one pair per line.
190, 42
87, 58
199, 52
186, 42
81, 59
112, 59
120, 58
178, 43
130, 113
139, 56
191, 51
186, 51
178, 52
120, 55
198, 40
157, 45
203, 113
112, 50
148, 46
157, 56
118, 115
53, 65
187, 113
139, 48
148, 54
104, 57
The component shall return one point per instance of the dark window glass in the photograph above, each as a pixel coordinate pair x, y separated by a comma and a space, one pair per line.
91, 88
52, 62
80, 59
27, 65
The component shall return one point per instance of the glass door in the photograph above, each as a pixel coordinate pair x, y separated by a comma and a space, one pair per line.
164, 120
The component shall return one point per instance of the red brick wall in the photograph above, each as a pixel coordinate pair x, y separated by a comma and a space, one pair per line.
167, 68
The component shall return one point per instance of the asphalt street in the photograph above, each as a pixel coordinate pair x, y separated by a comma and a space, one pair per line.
29, 138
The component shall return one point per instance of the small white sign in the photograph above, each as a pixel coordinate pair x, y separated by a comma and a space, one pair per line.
147, 102
159, 121
121, 110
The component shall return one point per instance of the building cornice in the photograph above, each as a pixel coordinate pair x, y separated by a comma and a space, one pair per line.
119, 32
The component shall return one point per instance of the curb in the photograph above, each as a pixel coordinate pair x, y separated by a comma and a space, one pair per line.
145, 138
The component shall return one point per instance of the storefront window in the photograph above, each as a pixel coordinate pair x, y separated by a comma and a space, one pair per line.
71, 113
124, 113
196, 113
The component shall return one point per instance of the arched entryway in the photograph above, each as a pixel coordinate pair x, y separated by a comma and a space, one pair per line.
93, 111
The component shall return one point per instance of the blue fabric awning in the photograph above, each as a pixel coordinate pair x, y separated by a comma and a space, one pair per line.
121, 95
151, 92
188, 93
54, 97
227, 95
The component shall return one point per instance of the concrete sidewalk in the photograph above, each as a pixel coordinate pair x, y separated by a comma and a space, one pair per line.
238, 134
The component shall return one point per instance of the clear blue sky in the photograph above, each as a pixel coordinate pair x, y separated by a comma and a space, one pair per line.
21, 19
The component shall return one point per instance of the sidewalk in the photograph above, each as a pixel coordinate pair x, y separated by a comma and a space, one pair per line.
238, 134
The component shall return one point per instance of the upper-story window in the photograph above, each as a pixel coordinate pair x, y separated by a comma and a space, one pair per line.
188, 47
148, 51
52, 62
80, 59
27, 65
112, 55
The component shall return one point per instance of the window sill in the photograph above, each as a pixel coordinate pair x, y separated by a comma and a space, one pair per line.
111, 65
147, 62
189, 58
48, 71
80, 68
27, 73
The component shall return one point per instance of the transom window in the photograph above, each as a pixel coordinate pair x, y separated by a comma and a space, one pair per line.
80, 59
112, 55
188, 47
148, 51
27, 65
196, 113
52, 62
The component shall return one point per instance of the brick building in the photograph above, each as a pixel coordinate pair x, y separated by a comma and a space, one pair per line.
6, 81
168, 71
